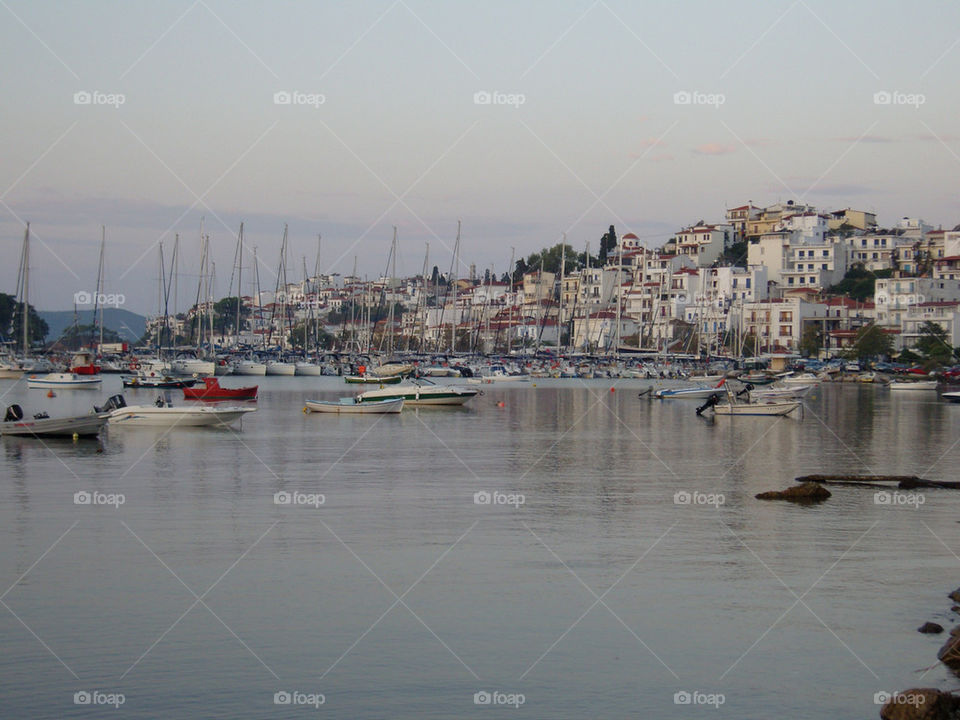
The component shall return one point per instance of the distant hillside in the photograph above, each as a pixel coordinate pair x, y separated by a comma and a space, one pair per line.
128, 325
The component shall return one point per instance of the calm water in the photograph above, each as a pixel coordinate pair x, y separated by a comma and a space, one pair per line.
400, 596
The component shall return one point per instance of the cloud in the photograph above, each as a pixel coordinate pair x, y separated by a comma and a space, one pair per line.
873, 139
714, 149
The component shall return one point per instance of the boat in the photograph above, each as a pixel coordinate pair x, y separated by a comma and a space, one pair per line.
913, 385
735, 406
953, 397
66, 381
308, 368
249, 367
440, 371
278, 367
491, 379
10, 368
794, 392
757, 378
211, 390
186, 365
372, 379
695, 391
163, 414
800, 379
156, 382
421, 394
354, 406
42, 425
84, 363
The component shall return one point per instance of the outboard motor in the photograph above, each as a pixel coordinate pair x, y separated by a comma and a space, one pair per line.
114, 402
711, 401
14, 413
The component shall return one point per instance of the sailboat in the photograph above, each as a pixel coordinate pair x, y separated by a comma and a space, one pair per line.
279, 366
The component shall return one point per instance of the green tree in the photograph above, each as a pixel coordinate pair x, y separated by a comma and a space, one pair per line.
871, 342
859, 283
812, 340
933, 343
225, 315
607, 243
11, 322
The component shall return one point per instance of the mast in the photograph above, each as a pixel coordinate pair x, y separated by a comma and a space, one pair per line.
26, 292
239, 284
393, 276
453, 323
97, 305
256, 272
616, 347
513, 266
316, 299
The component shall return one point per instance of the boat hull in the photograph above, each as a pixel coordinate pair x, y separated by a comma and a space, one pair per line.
80, 425
758, 409
378, 407
372, 380
281, 369
211, 390
67, 381
247, 367
919, 386
421, 396
152, 416
308, 369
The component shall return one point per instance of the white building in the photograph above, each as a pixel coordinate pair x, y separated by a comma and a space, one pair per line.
704, 244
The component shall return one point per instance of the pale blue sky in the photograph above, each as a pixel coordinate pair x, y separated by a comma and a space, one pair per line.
798, 120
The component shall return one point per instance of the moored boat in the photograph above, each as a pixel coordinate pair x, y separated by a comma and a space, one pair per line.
421, 394
353, 406
66, 381
913, 386
372, 379
164, 414
42, 425
212, 390
695, 391
278, 367
156, 382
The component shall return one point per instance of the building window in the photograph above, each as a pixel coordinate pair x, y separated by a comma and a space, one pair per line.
786, 316
784, 331
823, 267
801, 279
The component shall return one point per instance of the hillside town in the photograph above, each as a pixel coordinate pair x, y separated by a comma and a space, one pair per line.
787, 278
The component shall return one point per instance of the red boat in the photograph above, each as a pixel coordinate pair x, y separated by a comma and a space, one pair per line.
211, 390
84, 363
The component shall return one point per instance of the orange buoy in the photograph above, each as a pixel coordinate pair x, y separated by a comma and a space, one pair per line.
51, 393
613, 389
501, 404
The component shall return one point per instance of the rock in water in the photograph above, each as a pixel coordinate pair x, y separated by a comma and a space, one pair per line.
930, 628
955, 595
808, 492
949, 654
921, 704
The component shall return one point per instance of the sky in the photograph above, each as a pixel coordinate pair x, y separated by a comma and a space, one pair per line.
524, 120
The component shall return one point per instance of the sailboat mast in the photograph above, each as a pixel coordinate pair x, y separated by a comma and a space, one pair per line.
453, 323
26, 292
239, 284
97, 300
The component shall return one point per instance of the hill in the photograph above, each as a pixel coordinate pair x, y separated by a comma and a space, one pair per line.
128, 325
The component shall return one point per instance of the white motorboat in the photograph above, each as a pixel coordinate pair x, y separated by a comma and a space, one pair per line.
694, 391
308, 368
249, 367
421, 394
164, 414
491, 379
953, 397
440, 371
785, 393
353, 406
42, 425
770, 409
800, 379
66, 381
10, 368
278, 367
193, 366
913, 385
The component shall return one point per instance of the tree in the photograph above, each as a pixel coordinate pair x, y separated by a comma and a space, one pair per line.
11, 321
859, 283
225, 315
933, 343
812, 340
871, 342
607, 243
735, 254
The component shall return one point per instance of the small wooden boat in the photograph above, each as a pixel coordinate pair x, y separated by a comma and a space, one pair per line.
41, 425
913, 386
354, 406
757, 378
67, 381
211, 390
695, 391
156, 382
372, 379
